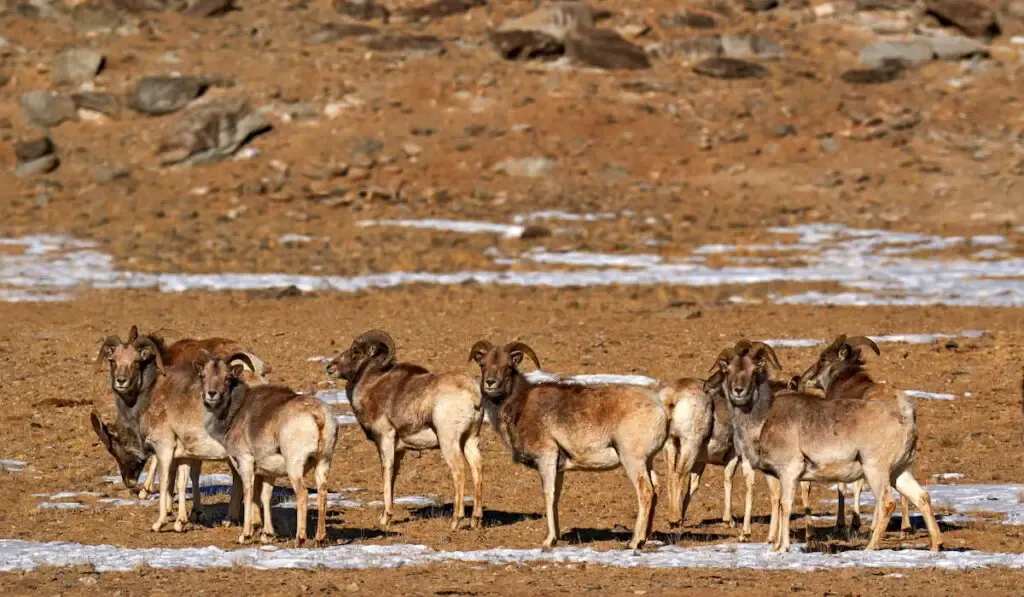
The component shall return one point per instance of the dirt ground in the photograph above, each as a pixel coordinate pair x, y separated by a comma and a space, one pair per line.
697, 160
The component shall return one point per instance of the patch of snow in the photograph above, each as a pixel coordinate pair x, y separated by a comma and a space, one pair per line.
591, 379
506, 230
793, 343
346, 419
332, 396
948, 476
27, 555
928, 395
563, 216
13, 466
583, 258
60, 506
294, 239
970, 499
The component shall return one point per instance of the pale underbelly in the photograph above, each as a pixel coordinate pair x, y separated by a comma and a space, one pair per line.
597, 460
425, 439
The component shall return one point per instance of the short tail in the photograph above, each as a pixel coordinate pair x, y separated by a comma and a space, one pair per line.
908, 408
328, 430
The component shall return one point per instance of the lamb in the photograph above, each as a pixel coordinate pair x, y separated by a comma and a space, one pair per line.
268, 431
839, 372
558, 426
150, 416
700, 433
401, 406
794, 436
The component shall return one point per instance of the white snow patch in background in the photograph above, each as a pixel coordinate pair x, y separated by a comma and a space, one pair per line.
13, 466
793, 343
294, 239
873, 266
332, 396
591, 379
948, 476
506, 230
61, 506
345, 419
928, 395
566, 216
972, 499
26, 555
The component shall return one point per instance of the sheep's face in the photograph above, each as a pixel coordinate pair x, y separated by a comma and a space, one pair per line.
354, 359
497, 368
742, 376
126, 362
216, 379
842, 352
128, 454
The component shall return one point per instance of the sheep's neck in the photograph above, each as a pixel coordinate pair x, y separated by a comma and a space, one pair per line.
129, 415
505, 415
748, 423
849, 380
220, 419
367, 371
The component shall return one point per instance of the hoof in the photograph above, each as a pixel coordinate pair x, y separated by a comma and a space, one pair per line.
477, 522
548, 544
744, 537
143, 494
384, 522
299, 542
243, 539
266, 538
936, 547
157, 526
455, 524
635, 546
179, 526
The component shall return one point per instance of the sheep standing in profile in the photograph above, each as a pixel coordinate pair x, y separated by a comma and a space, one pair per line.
558, 426
401, 406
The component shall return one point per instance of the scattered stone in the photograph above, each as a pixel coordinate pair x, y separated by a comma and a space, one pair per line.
973, 19
72, 66
412, 150
760, 5
957, 47
35, 156
440, 9
531, 167
604, 48
364, 10
210, 131
785, 130
104, 103
105, 174
534, 231
891, 5
711, 46
95, 18
828, 144
208, 8
910, 52
613, 172
163, 95
332, 32
886, 73
526, 45
694, 20
366, 146
417, 44
47, 109
730, 68
556, 20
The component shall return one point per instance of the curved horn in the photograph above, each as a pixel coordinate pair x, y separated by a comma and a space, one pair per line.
244, 358
714, 382
726, 355
480, 348
760, 348
522, 347
381, 337
742, 347
114, 341
864, 341
147, 342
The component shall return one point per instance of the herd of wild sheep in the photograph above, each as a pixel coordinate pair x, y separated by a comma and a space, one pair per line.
189, 401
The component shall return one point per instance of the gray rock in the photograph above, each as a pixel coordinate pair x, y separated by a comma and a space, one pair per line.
439, 9
208, 8
750, 46
886, 73
105, 174
43, 165
729, 68
163, 95
531, 167
104, 103
729, 46
694, 20
95, 18
910, 52
46, 108
606, 49
760, 5
613, 172
337, 31
884, 4
363, 10
970, 17
828, 144
210, 131
33, 149
956, 47
75, 65
525, 45
410, 44
785, 130
366, 146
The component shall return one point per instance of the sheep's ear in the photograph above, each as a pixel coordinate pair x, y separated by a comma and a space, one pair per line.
516, 356
844, 352
236, 371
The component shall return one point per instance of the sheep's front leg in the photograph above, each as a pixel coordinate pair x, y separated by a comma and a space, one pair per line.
247, 473
451, 450
165, 458
789, 481
730, 472
774, 491
748, 502
551, 483
195, 471
184, 470
386, 450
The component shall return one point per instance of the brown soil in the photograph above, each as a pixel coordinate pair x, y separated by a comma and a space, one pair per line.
702, 157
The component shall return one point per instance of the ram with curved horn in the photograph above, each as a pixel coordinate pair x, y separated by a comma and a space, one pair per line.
267, 432
839, 372
138, 371
401, 406
687, 455
782, 434
559, 426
